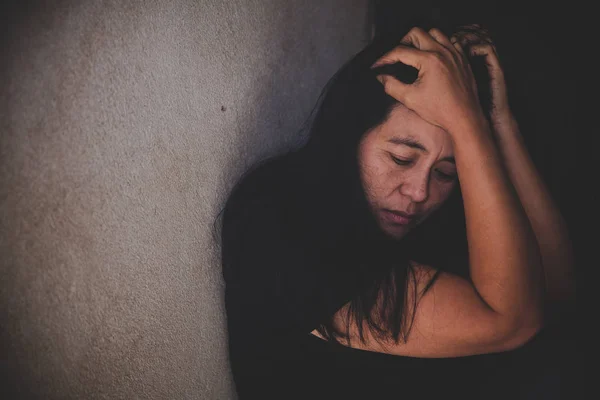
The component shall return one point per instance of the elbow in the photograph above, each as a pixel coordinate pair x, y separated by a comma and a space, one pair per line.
519, 332
521, 337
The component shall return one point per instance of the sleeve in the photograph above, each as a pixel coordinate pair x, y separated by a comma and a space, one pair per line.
276, 286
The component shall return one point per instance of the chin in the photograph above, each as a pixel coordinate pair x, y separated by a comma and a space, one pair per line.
396, 232
396, 236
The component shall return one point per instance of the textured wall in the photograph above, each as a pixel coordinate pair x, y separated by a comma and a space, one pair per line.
122, 126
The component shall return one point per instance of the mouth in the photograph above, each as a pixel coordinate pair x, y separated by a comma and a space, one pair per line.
399, 217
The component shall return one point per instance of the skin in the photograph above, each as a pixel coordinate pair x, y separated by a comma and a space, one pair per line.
401, 177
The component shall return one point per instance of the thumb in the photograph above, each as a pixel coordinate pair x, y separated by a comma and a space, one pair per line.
395, 88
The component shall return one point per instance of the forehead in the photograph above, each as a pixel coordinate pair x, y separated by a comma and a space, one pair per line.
402, 122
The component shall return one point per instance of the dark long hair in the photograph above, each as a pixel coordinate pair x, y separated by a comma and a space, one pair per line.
333, 212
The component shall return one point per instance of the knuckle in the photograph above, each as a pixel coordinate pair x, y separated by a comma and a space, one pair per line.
416, 32
446, 52
471, 37
435, 57
386, 83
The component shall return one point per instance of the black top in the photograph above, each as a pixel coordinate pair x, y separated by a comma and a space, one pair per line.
280, 286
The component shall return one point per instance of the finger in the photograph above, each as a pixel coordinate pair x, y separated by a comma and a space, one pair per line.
420, 39
393, 87
474, 28
473, 36
407, 55
468, 39
441, 38
456, 43
491, 58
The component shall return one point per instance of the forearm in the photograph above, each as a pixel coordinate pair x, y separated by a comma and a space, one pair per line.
543, 214
503, 254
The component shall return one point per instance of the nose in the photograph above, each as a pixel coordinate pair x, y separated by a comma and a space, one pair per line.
416, 186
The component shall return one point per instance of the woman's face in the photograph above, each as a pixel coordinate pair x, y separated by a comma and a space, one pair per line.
407, 170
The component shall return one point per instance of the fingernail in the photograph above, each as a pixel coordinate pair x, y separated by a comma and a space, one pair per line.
380, 79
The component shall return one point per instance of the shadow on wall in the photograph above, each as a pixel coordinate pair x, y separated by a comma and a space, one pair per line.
123, 126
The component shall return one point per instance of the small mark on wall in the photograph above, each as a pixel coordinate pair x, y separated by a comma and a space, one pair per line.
223, 108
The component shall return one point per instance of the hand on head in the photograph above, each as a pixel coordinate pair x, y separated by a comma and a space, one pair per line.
445, 91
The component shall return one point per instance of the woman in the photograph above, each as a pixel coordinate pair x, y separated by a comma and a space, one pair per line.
346, 275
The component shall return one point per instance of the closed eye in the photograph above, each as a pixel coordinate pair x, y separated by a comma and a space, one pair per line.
400, 161
445, 177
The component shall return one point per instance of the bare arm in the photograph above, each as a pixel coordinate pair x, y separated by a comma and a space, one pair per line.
545, 218
504, 257
543, 214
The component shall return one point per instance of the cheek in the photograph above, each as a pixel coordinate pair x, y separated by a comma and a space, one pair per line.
375, 174
440, 193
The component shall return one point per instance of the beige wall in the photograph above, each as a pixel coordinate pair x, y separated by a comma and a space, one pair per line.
122, 126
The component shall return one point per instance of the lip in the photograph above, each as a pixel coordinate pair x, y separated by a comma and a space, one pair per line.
398, 217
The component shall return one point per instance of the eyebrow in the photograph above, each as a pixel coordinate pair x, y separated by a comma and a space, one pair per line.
415, 144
